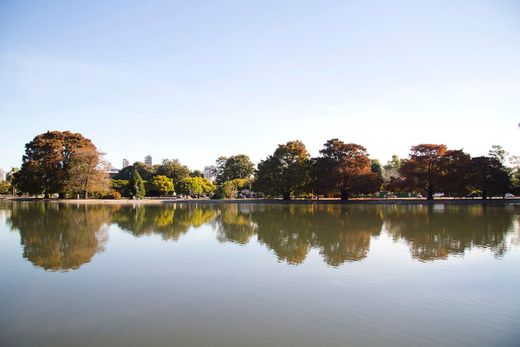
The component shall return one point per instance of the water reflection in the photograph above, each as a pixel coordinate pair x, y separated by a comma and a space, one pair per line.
63, 237
60, 237
437, 233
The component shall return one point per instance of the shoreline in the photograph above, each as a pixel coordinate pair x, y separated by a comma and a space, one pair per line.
359, 201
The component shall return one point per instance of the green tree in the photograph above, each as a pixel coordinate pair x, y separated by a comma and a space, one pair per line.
286, 172
137, 185
235, 167
196, 173
173, 169
47, 162
195, 186
122, 187
161, 185
230, 189
146, 171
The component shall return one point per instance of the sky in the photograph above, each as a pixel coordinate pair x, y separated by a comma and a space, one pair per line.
195, 80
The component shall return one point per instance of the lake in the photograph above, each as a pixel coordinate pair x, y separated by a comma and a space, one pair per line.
259, 275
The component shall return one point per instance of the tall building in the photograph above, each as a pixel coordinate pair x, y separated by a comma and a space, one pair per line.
2, 175
126, 163
148, 160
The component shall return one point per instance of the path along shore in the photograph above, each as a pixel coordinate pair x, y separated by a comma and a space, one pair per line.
160, 201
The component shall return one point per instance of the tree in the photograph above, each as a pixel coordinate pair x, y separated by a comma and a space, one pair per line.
161, 185
195, 186
230, 189
286, 172
85, 173
391, 168
137, 185
345, 168
235, 167
499, 153
122, 187
196, 173
173, 169
424, 168
455, 177
145, 171
47, 161
515, 173
489, 176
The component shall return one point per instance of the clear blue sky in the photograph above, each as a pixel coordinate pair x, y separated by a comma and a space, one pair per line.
197, 79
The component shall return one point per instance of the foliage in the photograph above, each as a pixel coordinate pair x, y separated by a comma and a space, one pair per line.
161, 185
173, 169
345, 168
196, 173
47, 164
84, 174
286, 172
137, 185
121, 186
5, 188
235, 167
230, 189
195, 186
145, 171
423, 170
489, 177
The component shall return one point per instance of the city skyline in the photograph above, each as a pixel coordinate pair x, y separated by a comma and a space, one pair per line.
197, 81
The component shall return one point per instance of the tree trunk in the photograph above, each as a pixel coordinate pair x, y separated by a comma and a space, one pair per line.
344, 194
430, 193
286, 196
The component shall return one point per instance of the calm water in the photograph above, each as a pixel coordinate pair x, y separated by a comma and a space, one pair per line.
259, 275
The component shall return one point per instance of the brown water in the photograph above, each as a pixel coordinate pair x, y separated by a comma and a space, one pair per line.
259, 275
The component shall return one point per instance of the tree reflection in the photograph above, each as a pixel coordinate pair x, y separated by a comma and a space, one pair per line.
63, 237
235, 224
340, 233
434, 232
60, 237
170, 222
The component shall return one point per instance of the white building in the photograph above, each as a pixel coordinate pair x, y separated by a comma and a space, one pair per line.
148, 160
126, 163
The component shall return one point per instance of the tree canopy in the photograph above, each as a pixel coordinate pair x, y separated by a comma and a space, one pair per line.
235, 167
53, 159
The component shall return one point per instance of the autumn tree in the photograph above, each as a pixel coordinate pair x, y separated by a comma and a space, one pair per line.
46, 164
235, 167
424, 168
286, 172
345, 168
86, 173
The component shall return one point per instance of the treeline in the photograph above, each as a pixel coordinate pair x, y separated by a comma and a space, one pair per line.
66, 164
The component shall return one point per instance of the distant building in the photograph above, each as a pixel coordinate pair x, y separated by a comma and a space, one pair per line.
2, 175
113, 173
126, 163
210, 172
148, 160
